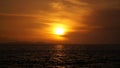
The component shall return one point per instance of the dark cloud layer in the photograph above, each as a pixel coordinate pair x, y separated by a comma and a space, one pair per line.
105, 17
108, 23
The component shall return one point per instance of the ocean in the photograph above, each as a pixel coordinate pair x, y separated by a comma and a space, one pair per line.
59, 56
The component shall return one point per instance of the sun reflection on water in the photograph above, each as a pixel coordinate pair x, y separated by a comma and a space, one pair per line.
59, 47
58, 56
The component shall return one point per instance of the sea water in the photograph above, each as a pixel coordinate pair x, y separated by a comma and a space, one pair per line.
59, 56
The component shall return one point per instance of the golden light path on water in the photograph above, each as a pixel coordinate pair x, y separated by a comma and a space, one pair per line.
58, 56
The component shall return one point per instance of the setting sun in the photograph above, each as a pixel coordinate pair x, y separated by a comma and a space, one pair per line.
59, 31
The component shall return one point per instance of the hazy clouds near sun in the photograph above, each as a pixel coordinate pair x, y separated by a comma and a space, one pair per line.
25, 19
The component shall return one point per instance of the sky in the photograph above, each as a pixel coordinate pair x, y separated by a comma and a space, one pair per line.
85, 21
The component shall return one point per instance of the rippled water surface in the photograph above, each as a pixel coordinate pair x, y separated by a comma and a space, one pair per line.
59, 56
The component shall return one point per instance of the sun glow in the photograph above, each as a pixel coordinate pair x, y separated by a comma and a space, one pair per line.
59, 31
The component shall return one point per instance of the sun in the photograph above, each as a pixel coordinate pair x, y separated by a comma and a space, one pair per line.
59, 31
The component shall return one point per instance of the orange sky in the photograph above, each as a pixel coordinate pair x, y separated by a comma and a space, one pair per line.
85, 21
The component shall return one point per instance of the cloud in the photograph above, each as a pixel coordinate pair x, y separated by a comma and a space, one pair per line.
105, 18
24, 7
77, 2
30, 18
58, 6
108, 21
